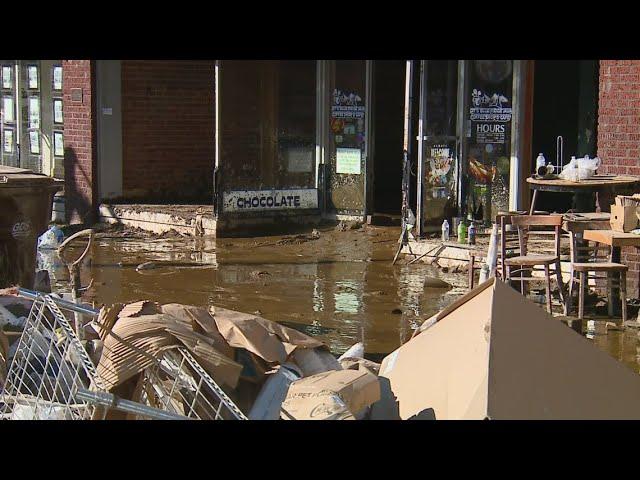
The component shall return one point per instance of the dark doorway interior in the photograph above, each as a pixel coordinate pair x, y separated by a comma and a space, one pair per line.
565, 103
388, 121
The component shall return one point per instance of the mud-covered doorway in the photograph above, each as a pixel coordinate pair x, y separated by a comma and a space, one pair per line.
389, 78
565, 102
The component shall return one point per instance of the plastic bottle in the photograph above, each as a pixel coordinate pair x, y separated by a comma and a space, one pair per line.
462, 232
472, 234
540, 161
445, 231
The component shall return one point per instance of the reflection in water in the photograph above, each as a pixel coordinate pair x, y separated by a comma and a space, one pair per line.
346, 297
341, 287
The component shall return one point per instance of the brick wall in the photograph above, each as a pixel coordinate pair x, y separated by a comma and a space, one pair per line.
79, 141
619, 134
168, 129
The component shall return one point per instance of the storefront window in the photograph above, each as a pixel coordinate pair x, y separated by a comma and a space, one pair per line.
268, 124
488, 136
348, 137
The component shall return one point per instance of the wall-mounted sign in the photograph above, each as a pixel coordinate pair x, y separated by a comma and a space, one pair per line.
265, 200
76, 95
346, 105
32, 77
7, 81
299, 159
57, 78
348, 160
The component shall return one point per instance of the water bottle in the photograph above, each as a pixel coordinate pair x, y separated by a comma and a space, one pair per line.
540, 161
462, 232
472, 234
445, 231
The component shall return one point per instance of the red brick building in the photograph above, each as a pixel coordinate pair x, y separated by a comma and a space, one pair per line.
619, 132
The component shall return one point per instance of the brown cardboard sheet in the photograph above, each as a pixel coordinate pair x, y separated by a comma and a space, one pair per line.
332, 395
498, 355
268, 340
135, 342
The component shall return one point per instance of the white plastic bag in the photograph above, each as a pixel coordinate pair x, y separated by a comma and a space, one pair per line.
580, 169
51, 239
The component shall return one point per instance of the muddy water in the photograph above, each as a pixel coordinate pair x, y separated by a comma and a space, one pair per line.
340, 287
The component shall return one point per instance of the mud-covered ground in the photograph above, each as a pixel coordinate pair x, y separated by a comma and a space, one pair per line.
336, 283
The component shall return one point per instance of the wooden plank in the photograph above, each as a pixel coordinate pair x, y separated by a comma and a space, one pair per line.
612, 238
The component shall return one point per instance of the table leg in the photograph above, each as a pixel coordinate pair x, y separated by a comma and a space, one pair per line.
615, 291
534, 197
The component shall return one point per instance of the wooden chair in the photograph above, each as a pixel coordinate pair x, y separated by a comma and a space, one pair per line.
528, 229
507, 240
587, 260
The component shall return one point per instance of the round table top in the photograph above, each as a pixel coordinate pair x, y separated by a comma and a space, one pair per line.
596, 182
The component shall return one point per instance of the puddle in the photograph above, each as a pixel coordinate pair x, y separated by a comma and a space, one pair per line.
340, 287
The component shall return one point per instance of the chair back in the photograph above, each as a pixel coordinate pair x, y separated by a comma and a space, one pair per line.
585, 250
509, 242
543, 230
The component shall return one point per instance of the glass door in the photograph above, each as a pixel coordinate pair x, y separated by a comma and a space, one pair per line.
488, 111
438, 143
31, 117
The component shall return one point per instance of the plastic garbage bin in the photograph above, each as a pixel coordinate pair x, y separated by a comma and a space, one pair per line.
25, 211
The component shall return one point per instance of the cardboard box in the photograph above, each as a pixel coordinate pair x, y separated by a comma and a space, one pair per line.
333, 395
623, 218
497, 355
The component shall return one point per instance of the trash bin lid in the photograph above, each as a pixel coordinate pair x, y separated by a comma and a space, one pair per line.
21, 177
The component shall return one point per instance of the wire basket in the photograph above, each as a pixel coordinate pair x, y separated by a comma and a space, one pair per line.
179, 385
48, 367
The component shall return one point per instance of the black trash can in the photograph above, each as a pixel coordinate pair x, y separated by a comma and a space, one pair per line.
25, 212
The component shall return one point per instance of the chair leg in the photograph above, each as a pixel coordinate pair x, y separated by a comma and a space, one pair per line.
548, 287
560, 283
569, 299
472, 261
583, 281
609, 294
521, 281
623, 295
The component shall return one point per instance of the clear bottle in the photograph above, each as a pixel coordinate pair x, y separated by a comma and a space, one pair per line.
445, 231
472, 234
540, 161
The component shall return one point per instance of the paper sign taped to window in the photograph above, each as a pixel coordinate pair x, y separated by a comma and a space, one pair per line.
348, 160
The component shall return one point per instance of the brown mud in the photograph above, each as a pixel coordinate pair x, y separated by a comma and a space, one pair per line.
332, 283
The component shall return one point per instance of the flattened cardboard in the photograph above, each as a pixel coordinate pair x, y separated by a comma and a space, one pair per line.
135, 342
332, 395
269, 340
498, 355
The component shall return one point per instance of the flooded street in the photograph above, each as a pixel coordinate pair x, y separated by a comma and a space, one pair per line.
339, 285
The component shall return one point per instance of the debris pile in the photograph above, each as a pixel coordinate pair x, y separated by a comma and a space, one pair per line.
199, 363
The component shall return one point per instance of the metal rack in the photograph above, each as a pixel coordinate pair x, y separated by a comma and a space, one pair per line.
52, 377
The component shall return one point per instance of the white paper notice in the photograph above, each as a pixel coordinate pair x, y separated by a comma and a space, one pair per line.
348, 160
